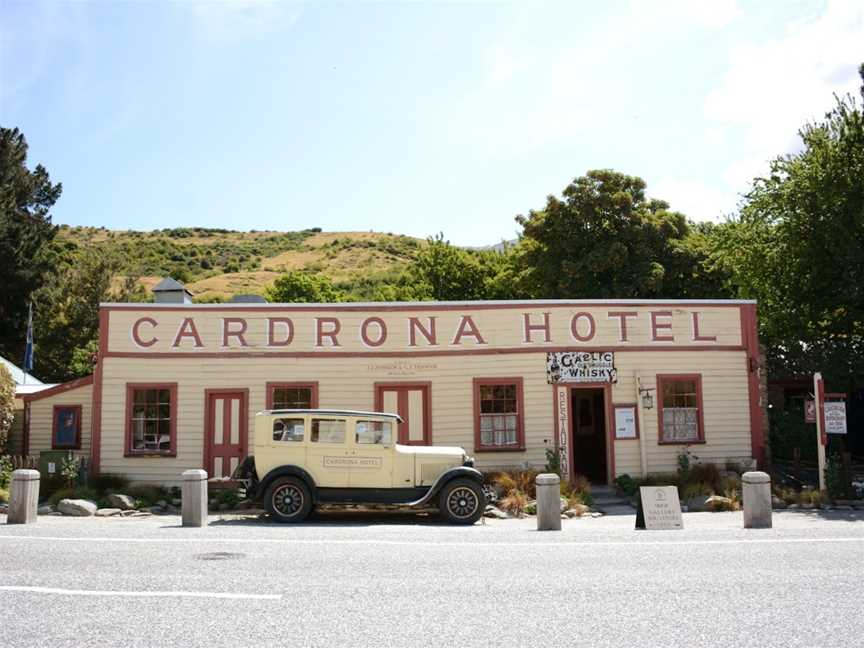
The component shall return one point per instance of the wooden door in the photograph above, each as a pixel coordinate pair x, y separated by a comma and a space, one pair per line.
411, 401
226, 428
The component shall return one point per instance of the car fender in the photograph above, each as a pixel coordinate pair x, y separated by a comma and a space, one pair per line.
448, 475
288, 471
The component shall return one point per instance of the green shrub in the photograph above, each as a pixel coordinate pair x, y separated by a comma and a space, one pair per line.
627, 485
835, 481
73, 492
4, 495
108, 483
696, 489
147, 494
704, 473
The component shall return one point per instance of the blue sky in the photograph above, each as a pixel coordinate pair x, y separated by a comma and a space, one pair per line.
409, 117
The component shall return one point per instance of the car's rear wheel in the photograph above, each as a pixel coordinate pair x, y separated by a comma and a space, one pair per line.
462, 501
288, 500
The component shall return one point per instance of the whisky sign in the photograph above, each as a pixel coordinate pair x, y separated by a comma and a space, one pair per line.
581, 367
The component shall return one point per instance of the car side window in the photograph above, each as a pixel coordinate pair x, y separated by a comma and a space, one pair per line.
373, 432
289, 429
328, 430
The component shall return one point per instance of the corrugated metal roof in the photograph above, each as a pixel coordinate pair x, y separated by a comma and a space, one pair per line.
19, 374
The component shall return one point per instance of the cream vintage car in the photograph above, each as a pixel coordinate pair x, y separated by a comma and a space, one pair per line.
307, 457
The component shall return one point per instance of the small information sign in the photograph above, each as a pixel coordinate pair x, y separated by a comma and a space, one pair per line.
659, 508
625, 422
835, 417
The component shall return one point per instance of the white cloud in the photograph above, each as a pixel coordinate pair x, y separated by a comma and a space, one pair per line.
696, 200
773, 87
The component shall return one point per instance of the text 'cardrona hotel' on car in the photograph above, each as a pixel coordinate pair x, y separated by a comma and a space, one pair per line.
609, 386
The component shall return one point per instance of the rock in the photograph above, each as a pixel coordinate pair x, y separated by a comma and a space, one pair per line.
176, 501
495, 513
156, 510
172, 510
596, 514
844, 507
162, 504
564, 516
3, 508
107, 512
45, 510
826, 507
129, 513
225, 506
122, 502
718, 503
695, 504
564, 505
777, 503
77, 507
140, 514
578, 510
793, 506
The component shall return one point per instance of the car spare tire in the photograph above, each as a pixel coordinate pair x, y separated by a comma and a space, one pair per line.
462, 501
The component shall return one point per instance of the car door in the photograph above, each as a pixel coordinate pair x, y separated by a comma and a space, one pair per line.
328, 457
371, 453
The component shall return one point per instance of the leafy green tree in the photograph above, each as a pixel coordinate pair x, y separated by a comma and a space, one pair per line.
66, 310
605, 239
26, 198
7, 405
445, 272
302, 287
798, 248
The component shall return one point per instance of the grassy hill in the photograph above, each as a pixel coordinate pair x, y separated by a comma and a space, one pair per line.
216, 264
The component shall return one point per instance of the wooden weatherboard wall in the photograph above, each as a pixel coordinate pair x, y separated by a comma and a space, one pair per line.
345, 349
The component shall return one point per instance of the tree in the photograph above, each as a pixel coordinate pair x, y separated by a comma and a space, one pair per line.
26, 198
302, 287
7, 405
605, 239
445, 272
798, 248
66, 310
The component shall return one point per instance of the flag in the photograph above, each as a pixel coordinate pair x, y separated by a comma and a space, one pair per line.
28, 348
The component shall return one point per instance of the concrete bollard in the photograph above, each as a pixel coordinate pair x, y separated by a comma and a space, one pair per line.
194, 498
756, 487
23, 497
548, 502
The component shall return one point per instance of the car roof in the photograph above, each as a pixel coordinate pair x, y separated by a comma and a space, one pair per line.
331, 412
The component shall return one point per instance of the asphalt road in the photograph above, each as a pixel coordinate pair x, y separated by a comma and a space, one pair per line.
367, 581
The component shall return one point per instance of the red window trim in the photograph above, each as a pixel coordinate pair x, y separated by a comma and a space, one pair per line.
661, 380
520, 414
313, 385
78, 412
130, 392
635, 407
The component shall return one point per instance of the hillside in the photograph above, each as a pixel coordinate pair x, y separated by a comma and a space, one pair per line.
216, 264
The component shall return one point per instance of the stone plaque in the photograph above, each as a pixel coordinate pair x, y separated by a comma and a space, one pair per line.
658, 508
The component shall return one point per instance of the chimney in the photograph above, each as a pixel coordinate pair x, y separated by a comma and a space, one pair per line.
171, 291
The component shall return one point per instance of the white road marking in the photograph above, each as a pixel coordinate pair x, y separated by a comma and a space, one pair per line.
143, 593
433, 543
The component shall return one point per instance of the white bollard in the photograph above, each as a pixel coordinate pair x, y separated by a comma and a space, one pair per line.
23, 497
548, 502
194, 498
756, 487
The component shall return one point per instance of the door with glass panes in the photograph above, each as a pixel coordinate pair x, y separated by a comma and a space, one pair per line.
412, 402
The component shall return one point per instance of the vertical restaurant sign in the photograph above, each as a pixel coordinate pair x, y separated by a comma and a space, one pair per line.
561, 413
581, 366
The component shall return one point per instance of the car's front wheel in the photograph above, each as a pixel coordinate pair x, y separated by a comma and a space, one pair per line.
288, 500
462, 501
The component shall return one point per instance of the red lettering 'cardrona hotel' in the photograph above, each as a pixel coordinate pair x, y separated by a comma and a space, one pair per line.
615, 387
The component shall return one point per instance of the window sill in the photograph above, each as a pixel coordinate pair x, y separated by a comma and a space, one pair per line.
501, 449
674, 443
170, 455
65, 447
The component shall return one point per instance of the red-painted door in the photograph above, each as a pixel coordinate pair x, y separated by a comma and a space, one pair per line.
411, 402
225, 431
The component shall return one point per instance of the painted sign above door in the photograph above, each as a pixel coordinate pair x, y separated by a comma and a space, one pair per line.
581, 367
421, 329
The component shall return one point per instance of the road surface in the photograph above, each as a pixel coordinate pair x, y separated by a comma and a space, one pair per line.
405, 581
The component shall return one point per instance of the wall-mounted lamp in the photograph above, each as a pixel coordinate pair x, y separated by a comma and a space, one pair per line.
647, 398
